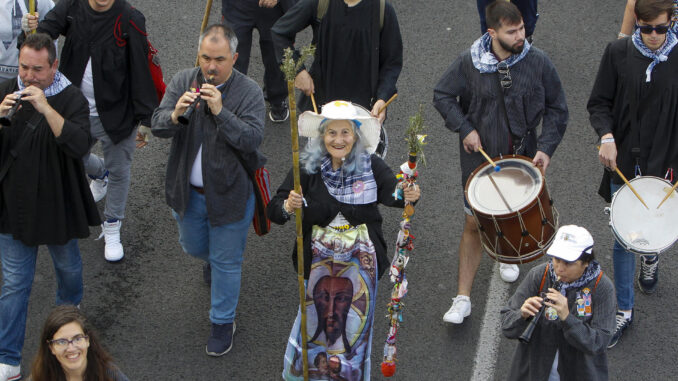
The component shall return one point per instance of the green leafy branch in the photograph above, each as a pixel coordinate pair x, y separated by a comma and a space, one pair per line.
414, 135
291, 68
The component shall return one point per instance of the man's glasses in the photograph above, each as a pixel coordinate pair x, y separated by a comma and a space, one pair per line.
503, 69
648, 29
77, 341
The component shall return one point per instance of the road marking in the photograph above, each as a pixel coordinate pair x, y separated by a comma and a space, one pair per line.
490, 328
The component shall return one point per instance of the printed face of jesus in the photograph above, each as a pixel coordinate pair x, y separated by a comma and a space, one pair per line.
332, 297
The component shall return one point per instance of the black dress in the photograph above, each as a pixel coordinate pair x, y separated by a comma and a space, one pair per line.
45, 198
641, 115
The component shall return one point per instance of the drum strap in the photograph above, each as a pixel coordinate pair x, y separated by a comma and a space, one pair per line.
515, 147
546, 270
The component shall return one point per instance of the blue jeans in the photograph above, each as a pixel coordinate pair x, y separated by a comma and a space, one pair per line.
624, 269
528, 9
221, 246
18, 269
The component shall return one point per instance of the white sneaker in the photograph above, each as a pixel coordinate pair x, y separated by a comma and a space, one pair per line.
113, 250
461, 308
10, 372
98, 187
509, 273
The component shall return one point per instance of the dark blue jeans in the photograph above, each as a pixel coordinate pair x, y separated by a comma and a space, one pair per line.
18, 269
528, 8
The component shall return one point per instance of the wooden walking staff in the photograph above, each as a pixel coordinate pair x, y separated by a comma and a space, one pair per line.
205, 20
31, 10
290, 68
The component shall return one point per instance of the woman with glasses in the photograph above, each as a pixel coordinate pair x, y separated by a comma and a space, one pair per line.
69, 350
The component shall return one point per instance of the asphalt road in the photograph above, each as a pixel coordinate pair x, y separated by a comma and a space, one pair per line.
152, 309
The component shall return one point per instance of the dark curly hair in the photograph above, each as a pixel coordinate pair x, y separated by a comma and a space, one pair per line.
46, 367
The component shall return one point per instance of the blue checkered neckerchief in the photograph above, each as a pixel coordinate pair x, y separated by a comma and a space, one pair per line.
59, 83
590, 273
485, 61
660, 55
358, 188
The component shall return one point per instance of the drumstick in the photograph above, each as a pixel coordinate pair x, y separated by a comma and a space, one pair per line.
668, 194
315, 108
630, 186
388, 102
500, 194
496, 167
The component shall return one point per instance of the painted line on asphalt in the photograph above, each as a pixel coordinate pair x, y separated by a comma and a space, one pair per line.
490, 328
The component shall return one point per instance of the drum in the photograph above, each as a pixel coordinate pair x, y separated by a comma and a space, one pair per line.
641, 230
512, 208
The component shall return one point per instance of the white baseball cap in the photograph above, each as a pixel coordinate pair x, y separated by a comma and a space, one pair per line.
571, 243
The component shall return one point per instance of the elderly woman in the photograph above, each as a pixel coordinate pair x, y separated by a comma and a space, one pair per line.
570, 339
344, 248
69, 350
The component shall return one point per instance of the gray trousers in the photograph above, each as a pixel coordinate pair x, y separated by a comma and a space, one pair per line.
118, 161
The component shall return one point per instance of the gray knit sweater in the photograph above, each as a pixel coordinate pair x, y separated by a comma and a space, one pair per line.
239, 125
581, 342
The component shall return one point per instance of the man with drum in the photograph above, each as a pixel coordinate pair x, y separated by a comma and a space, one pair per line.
634, 109
495, 95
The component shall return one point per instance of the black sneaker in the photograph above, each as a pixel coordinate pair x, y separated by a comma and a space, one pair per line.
622, 324
649, 273
279, 113
221, 339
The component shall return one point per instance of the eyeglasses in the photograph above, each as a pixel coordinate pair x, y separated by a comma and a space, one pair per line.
648, 29
503, 69
77, 341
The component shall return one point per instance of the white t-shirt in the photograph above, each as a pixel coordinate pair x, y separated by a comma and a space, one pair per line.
87, 88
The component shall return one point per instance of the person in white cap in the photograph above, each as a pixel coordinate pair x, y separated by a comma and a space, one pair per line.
570, 340
342, 182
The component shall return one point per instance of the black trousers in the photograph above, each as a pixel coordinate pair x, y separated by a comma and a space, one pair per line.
243, 16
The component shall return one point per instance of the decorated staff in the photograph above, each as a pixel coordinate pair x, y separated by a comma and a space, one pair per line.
290, 68
405, 242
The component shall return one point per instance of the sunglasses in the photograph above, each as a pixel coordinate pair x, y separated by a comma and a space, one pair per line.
503, 69
648, 29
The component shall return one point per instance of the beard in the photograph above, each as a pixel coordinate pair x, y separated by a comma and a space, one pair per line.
515, 49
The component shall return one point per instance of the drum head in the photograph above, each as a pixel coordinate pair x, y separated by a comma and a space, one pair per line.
643, 230
519, 182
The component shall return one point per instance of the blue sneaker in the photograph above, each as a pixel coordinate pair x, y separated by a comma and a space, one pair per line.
622, 324
221, 339
649, 273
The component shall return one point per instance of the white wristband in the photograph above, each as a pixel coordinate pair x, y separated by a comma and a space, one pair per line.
606, 140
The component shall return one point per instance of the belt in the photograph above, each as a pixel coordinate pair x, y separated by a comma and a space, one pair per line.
200, 190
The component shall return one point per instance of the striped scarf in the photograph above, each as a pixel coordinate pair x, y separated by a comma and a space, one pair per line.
357, 189
485, 61
660, 55
590, 273
59, 83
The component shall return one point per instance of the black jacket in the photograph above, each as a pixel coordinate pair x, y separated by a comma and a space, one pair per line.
322, 208
45, 198
123, 87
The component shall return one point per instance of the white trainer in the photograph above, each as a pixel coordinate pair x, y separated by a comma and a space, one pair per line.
461, 308
10, 372
113, 250
98, 187
509, 273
